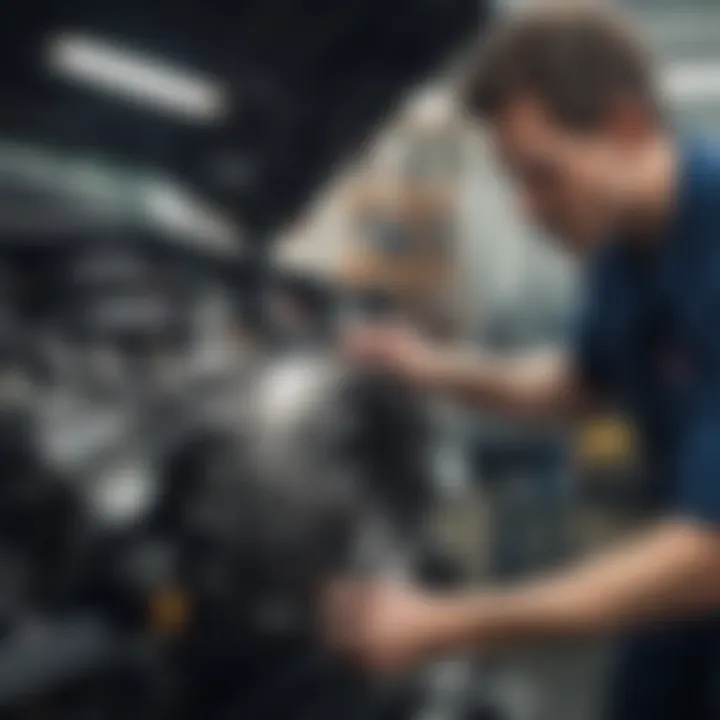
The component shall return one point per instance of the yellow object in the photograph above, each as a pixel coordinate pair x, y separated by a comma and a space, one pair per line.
169, 612
606, 441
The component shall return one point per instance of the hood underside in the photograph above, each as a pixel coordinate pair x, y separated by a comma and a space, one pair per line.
248, 104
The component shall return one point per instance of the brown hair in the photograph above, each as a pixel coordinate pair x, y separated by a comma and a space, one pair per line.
577, 61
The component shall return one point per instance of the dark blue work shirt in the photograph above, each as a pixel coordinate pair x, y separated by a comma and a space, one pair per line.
649, 340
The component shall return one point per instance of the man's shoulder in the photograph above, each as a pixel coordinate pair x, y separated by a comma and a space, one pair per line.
696, 236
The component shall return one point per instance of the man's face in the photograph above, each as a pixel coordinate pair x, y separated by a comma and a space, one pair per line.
571, 184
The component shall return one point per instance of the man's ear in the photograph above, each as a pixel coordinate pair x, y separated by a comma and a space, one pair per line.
628, 121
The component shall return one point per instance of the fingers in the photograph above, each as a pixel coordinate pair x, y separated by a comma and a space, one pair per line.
365, 343
377, 348
346, 607
366, 625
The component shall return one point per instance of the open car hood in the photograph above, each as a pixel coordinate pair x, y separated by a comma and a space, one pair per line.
247, 104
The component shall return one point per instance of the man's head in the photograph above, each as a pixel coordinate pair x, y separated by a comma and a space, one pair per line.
570, 98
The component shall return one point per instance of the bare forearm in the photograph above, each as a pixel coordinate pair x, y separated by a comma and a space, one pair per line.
673, 572
537, 387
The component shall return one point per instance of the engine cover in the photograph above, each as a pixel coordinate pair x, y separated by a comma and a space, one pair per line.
316, 470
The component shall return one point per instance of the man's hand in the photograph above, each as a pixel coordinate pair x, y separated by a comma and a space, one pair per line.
387, 629
393, 349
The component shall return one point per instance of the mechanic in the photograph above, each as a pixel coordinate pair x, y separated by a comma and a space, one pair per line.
569, 98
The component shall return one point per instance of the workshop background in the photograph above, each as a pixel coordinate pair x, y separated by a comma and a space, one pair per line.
189, 190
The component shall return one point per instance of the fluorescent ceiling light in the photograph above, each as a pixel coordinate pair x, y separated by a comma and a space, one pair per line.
137, 77
693, 82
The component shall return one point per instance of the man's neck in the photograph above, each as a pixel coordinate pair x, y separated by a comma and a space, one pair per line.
656, 180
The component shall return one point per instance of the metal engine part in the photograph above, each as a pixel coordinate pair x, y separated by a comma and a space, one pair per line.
316, 470
307, 470
324, 470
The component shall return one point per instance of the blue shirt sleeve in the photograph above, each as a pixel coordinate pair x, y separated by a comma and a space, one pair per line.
698, 450
698, 469
587, 351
